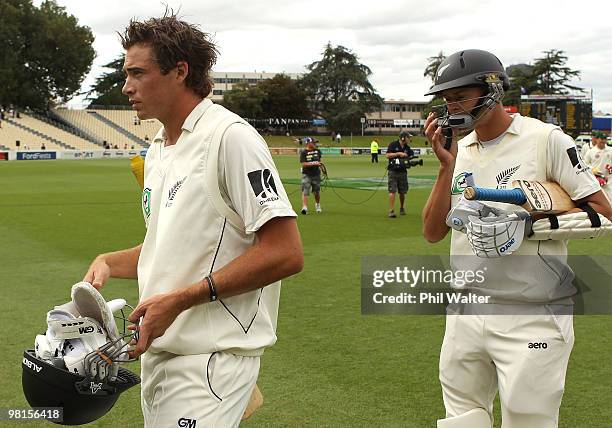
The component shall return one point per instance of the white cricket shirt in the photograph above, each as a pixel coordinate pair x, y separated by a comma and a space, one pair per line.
187, 238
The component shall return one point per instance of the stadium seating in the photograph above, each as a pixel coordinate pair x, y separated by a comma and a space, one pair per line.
65, 137
89, 121
65, 129
125, 119
10, 133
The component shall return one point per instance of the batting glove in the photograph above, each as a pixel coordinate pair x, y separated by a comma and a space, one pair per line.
457, 217
497, 235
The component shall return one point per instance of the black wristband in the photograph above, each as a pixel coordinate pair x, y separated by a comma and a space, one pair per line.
211, 288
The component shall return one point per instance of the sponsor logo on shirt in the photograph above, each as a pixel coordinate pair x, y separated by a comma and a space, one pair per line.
459, 184
263, 185
576, 160
504, 177
174, 190
146, 202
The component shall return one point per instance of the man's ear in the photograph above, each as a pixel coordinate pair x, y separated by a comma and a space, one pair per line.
182, 70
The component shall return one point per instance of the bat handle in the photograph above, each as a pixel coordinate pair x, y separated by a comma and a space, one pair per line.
509, 196
448, 137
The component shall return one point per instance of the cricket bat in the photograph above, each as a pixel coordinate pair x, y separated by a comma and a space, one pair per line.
535, 196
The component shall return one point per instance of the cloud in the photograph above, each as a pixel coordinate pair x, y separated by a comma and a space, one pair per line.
394, 38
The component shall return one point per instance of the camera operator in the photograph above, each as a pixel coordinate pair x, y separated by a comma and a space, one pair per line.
399, 154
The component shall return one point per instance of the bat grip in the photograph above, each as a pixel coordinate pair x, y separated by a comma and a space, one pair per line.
509, 196
448, 137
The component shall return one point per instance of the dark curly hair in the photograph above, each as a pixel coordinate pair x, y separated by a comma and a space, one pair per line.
173, 40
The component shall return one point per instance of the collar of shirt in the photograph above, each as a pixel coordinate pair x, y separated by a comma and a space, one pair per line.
514, 128
190, 121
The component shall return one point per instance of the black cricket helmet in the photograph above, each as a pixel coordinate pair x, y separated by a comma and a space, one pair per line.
75, 364
83, 399
471, 67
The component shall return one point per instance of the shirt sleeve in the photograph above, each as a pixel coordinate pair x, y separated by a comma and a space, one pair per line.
303, 156
565, 166
248, 179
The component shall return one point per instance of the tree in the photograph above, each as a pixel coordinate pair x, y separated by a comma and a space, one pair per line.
45, 54
433, 62
283, 98
245, 100
107, 89
552, 73
523, 81
339, 90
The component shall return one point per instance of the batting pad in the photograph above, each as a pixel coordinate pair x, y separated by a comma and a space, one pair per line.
90, 303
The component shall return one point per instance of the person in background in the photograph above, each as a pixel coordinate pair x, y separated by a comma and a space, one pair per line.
374, 150
599, 158
398, 154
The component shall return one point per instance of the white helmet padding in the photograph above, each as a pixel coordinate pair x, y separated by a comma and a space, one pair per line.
90, 303
82, 335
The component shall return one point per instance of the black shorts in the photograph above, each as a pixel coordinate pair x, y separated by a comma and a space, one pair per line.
311, 182
398, 182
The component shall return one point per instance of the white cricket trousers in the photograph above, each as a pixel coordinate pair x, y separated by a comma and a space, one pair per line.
524, 356
204, 390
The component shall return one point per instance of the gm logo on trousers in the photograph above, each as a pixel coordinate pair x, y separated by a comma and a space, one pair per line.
187, 423
263, 185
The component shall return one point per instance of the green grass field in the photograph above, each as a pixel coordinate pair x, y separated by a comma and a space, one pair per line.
347, 141
332, 366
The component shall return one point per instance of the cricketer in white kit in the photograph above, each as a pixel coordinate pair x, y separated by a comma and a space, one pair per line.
599, 158
221, 234
519, 345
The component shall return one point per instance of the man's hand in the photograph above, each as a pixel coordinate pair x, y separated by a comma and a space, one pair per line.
434, 135
155, 314
98, 273
499, 234
117, 264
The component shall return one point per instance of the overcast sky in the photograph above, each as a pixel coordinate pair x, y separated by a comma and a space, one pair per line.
392, 37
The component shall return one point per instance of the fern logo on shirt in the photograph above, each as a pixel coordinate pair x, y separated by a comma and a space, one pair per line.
146, 202
262, 183
174, 190
504, 177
